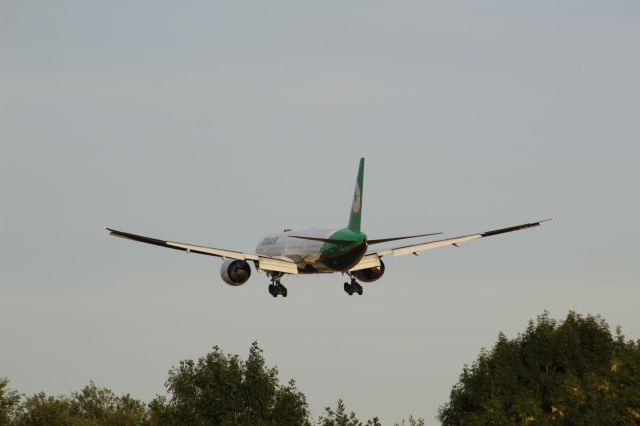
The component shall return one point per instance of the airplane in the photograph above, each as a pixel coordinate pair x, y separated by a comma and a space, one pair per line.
318, 251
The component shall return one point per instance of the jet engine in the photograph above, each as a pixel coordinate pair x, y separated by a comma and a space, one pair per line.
235, 272
370, 275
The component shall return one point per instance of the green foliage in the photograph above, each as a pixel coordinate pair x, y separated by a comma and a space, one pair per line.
572, 372
339, 417
90, 406
103, 406
224, 390
217, 389
41, 409
412, 422
9, 402
569, 372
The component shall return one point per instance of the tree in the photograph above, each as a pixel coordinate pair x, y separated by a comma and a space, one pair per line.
41, 409
103, 406
9, 402
572, 372
339, 417
224, 390
412, 422
91, 406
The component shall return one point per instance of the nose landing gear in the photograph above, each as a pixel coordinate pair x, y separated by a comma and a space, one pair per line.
276, 288
353, 287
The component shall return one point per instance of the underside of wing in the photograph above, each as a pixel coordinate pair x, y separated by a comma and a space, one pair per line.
265, 263
371, 260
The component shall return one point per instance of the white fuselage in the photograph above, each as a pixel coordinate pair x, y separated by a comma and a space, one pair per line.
306, 253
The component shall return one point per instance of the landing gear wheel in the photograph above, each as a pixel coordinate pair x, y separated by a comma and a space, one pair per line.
348, 288
353, 287
358, 289
275, 288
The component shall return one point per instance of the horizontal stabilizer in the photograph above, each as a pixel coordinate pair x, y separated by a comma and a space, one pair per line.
325, 240
386, 240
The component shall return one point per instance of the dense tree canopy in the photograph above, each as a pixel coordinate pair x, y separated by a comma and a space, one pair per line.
217, 389
221, 389
90, 406
9, 402
569, 372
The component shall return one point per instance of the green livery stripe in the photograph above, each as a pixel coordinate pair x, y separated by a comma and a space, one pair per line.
344, 235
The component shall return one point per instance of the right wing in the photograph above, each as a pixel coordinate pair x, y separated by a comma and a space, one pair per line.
266, 263
373, 259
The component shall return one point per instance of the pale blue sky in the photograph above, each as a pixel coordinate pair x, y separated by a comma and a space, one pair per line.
218, 122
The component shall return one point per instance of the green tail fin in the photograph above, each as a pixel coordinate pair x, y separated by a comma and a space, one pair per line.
356, 206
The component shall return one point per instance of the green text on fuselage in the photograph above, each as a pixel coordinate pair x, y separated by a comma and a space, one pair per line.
269, 241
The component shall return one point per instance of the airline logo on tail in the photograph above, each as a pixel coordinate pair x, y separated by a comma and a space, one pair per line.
355, 207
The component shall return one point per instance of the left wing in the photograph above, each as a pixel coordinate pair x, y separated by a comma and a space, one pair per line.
373, 259
266, 263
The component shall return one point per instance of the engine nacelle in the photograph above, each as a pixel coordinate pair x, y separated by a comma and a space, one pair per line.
235, 272
370, 275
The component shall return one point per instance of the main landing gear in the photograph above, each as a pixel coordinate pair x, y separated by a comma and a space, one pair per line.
275, 288
354, 287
